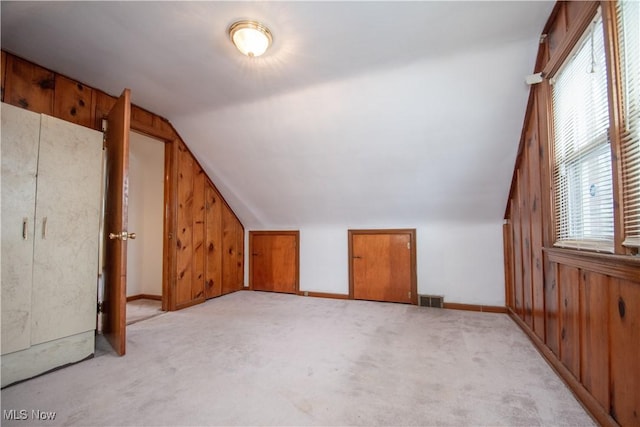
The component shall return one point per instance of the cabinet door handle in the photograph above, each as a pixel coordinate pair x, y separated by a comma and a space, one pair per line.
44, 227
25, 228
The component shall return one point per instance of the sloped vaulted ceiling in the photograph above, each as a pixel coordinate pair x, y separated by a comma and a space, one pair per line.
361, 113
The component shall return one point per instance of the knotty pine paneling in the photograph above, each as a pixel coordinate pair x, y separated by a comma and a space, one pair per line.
569, 278
33, 87
624, 318
197, 284
213, 243
29, 86
38, 89
239, 255
229, 251
3, 73
594, 351
537, 272
525, 215
552, 307
558, 30
508, 262
584, 305
517, 250
185, 216
73, 102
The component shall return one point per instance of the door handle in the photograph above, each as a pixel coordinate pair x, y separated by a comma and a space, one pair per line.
122, 236
25, 228
357, 257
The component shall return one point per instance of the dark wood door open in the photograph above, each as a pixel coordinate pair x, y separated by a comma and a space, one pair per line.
382, 265
274, 261
115, 223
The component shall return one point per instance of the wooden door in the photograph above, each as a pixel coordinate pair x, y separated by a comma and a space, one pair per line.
274, 263
115, 223
383, 265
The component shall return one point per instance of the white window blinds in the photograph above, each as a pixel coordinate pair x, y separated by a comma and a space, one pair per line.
582, 154
629, 48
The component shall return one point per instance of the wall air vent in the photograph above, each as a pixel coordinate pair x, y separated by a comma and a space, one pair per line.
436, 301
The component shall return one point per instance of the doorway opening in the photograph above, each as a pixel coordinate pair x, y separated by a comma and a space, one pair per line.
146, 219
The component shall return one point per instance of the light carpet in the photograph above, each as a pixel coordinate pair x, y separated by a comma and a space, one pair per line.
142, 309
253, 358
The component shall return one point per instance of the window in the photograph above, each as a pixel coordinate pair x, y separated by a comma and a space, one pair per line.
583, 189
629, 50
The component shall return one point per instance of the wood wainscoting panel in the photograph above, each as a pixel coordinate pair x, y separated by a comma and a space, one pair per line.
517, 252
507, 242
569, 286
535, 204
184, 241
239, 230
525, 214
229, 251
213, 242
3, 73
594, 351
197, 284
552, 307
624, 318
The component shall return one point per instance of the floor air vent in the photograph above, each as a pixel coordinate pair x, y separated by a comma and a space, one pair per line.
431, 301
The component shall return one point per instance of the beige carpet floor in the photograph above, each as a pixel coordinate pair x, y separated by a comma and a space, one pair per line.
142, 309
254, 358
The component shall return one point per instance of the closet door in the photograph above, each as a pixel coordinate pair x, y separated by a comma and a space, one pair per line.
19, 152
67, 228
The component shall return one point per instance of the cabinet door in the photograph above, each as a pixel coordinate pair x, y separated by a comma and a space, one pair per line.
382, 267
20, 133
274, 261
67, 229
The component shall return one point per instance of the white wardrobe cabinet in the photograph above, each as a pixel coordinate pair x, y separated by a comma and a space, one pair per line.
51, 201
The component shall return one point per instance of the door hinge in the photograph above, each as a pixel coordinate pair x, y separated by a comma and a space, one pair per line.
409, 245
409, 294
100, 306
105, 126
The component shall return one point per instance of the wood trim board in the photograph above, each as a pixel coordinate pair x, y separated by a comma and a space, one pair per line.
144, 296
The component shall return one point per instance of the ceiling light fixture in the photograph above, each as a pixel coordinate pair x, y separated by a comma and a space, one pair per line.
250, 37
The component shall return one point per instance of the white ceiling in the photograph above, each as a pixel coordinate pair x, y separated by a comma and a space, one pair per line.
362, 113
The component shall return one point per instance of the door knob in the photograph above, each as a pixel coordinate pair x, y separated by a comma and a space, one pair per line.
122, 236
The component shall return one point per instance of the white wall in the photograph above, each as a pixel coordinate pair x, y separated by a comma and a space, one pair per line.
461, 261
146, 207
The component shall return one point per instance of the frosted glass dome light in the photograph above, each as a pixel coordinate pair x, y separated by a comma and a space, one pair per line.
250, 37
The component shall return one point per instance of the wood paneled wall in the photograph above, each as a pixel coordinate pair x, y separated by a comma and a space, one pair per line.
204, 239
581, 309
